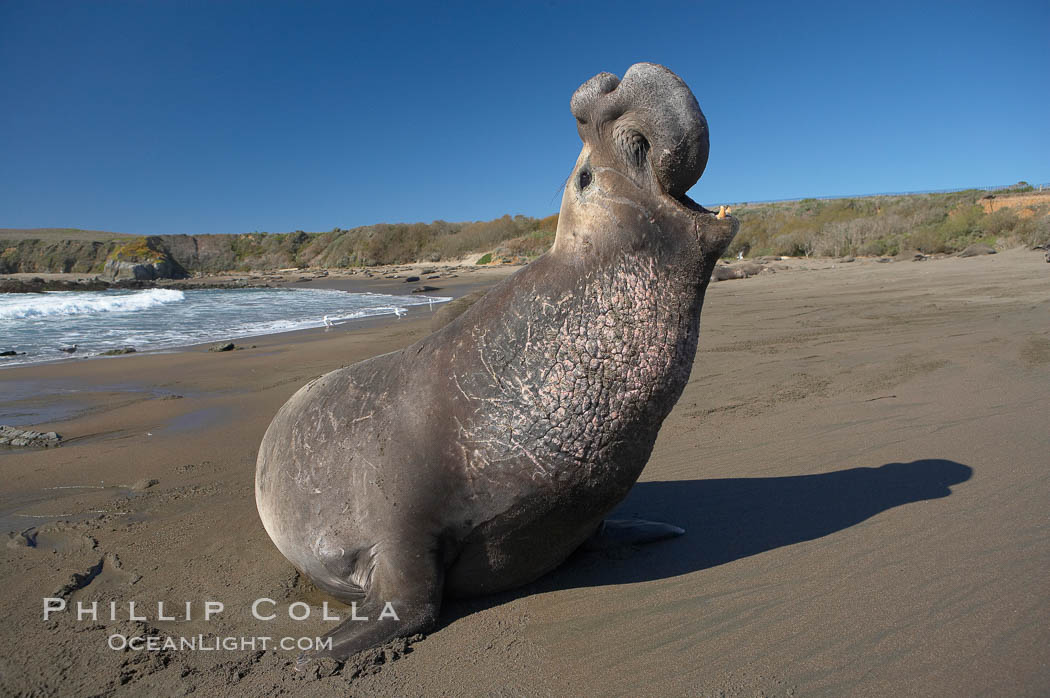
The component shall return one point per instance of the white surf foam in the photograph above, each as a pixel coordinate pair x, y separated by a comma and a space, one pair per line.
21, 305
40, 324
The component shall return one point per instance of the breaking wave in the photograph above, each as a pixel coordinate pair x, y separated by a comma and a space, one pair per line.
81, 303
35, 327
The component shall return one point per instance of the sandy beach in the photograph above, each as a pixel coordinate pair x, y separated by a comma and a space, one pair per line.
859, 461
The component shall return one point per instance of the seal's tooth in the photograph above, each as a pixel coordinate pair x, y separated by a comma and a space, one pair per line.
721, 212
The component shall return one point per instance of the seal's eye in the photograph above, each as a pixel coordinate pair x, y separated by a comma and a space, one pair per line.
585, 178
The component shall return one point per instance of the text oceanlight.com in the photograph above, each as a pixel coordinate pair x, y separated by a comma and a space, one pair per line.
202, 643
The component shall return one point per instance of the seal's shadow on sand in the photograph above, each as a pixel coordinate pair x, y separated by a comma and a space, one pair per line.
728, 519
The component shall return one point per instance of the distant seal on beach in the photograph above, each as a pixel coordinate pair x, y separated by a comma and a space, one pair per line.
482, 456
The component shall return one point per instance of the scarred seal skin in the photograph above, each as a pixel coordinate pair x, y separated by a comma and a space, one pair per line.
480, 457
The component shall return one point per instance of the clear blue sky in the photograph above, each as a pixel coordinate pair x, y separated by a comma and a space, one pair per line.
224, 116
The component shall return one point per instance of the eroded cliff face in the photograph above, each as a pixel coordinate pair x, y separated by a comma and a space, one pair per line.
54, 256
89, 252
149, 258
180, 256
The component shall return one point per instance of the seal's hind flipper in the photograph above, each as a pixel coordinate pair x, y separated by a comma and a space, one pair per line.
403, 598
616, 533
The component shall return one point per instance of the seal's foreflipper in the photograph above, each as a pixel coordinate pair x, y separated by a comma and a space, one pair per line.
616, 533
403, 598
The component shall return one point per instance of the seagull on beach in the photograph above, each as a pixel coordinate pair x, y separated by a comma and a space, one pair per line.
327, 322
68, 350
400, 311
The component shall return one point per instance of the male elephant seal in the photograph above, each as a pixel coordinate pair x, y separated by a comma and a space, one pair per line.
480, 457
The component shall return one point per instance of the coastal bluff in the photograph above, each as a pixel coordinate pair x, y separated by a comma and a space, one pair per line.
116, 257
873, 226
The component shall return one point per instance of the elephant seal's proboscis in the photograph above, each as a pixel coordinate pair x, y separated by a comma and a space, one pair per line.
482, 456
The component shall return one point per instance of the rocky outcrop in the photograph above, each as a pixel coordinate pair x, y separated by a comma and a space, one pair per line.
39, 285
142, 259
116, 270
15, 437
118, 352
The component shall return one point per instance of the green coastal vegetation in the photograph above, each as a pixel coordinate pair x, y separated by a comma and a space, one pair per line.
891, 225
872, 225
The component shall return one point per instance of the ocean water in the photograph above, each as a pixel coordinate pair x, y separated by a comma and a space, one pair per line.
40, 324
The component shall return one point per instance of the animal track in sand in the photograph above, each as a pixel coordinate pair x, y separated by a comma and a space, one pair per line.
1035, 352
798, 387
892, 373
57, 538
79, 580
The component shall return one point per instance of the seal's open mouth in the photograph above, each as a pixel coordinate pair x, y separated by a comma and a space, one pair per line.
690, 205
714, 229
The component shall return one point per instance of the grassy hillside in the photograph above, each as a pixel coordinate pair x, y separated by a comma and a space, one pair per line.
874, 225
511, 237
888, 225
